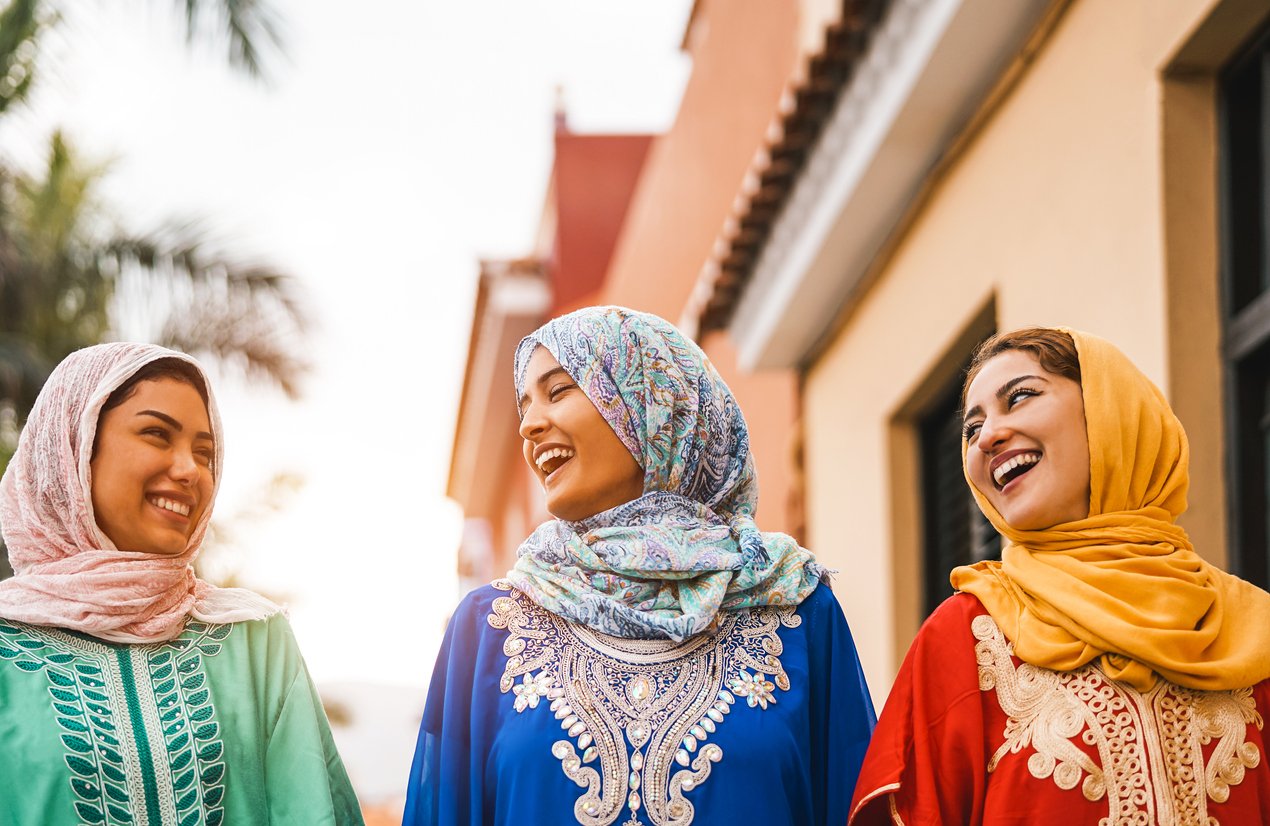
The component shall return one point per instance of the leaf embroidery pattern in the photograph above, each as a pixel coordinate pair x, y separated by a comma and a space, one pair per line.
190, 730
90, 719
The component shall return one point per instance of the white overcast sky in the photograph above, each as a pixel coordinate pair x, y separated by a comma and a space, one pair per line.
401, 140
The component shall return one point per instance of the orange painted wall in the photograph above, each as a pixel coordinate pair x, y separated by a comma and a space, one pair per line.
743, 53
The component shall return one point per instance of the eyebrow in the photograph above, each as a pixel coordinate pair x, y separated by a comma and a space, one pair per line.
1002, 392
524, 397
174, 424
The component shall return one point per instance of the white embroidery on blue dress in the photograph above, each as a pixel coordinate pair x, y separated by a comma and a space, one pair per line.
643, 709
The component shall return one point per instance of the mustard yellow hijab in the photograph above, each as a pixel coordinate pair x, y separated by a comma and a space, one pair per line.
1124, 585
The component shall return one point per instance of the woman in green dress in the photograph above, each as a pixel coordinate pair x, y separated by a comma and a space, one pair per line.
130, 690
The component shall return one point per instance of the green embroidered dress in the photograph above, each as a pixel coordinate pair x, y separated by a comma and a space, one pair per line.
221, 725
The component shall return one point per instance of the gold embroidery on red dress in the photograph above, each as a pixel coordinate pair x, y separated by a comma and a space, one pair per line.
1151, 763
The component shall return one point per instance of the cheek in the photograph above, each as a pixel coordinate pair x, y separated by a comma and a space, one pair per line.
977, 464
105, 479
616, 453
1079, 471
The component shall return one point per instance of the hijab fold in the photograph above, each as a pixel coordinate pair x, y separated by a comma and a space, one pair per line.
67, 572
665, 564
1124, 585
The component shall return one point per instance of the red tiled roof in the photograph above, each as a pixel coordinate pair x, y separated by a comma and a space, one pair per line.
775, 170
593, 179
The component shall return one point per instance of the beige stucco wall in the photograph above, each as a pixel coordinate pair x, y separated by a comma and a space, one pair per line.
1054, 213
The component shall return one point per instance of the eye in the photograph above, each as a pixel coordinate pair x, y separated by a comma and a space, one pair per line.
157, 432
205, 454
1019, 394
556, 390
970, 430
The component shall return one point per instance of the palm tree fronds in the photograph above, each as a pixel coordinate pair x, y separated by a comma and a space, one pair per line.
23, 369
69, 279
243, 313
254, 344
53, 292
21, 23
55, 206
252, 28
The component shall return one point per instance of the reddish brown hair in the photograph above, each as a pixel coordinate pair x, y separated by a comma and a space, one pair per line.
1054, 349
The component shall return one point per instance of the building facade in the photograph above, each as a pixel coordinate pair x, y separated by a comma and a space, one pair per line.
630, 227
1096, 164
855, 193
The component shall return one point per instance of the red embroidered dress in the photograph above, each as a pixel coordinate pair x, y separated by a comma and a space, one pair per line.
971, 735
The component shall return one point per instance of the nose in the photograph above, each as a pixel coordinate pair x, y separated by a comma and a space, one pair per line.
992, 433
533, 423
184, 467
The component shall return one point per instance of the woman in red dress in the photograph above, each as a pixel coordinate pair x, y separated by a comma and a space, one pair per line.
1102, 672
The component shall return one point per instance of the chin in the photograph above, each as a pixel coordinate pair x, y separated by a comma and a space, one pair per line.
1029, 521
167, 548
564, 510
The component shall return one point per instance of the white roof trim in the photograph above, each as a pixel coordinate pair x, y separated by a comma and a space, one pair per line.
928, 66
515, 306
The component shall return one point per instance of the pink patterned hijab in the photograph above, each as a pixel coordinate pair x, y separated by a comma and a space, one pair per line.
67, 572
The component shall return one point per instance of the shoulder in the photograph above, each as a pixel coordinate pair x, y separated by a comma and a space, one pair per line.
822, 620
944, 649
480, 602
274, 626
489, 607
474, 649
942, 656
821, 604
270, 640
953, 618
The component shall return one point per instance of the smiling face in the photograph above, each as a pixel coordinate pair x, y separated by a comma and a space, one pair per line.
152, 467
582, 465
1027, 450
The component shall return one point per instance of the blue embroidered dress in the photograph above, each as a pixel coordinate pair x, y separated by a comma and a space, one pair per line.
218, 726
533, 719
662, 661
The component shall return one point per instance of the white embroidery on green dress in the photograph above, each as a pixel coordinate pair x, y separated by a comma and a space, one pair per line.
662, 698
111, 702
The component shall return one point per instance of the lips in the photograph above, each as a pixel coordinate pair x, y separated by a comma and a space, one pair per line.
1011, 465
179, 506
551, 457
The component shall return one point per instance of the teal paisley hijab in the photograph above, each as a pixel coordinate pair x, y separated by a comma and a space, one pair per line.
662, 565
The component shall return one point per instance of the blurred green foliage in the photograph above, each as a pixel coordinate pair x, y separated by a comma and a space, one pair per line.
67, 269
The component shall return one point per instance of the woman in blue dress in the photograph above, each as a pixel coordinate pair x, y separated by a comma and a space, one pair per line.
652, 657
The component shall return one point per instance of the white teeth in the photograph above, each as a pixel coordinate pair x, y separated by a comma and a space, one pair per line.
555, 452
168, 504
1010, 464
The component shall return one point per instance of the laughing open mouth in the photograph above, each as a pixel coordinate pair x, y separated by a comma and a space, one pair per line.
179, 508
552, 460
1013, 468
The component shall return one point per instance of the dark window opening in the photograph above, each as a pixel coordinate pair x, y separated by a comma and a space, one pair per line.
955, 532
1245, 123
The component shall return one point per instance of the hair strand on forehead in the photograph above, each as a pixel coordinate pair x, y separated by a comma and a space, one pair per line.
163, 368
1053, 348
